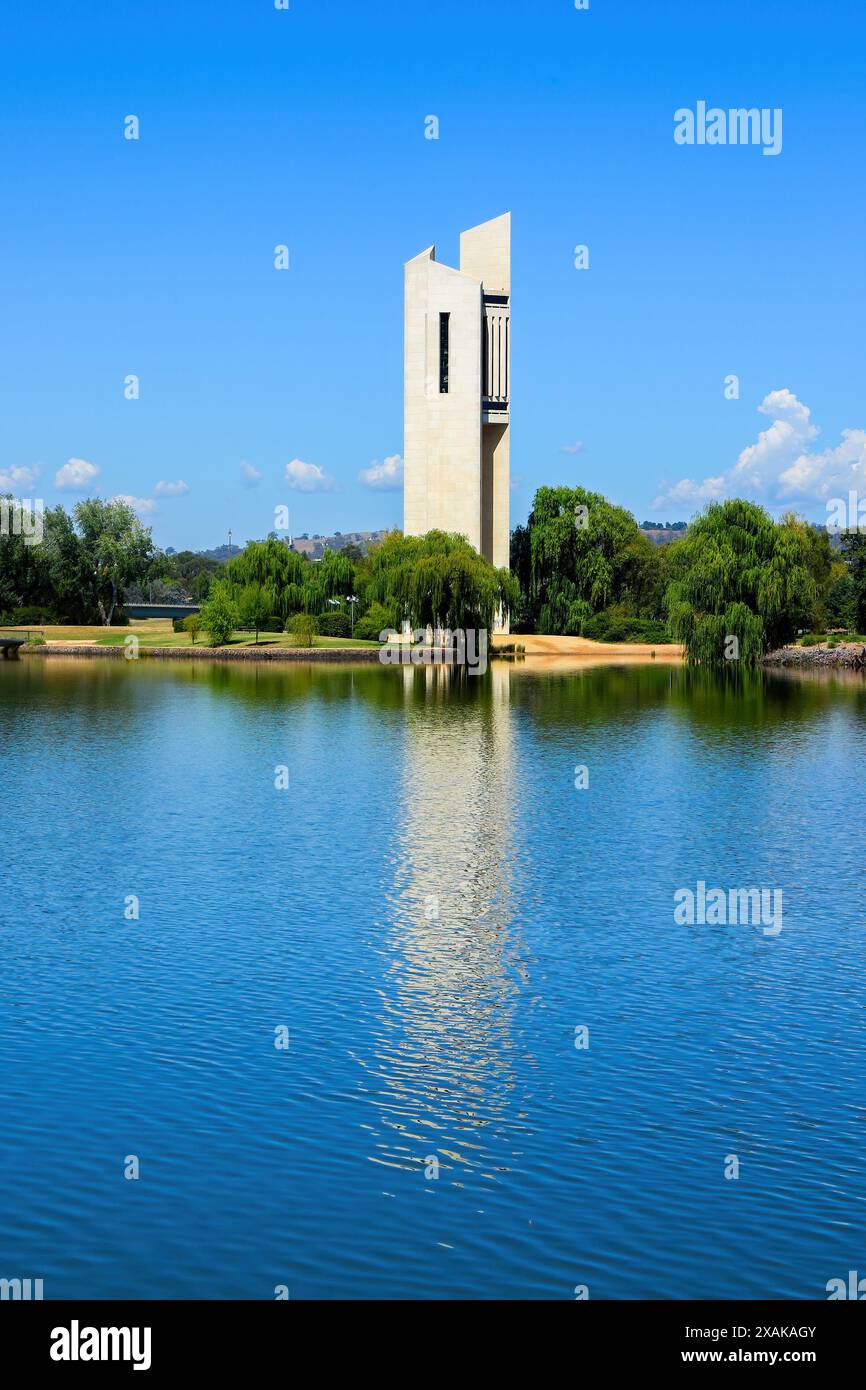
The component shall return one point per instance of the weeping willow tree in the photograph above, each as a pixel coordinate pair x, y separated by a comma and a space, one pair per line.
331, 577
578, 554
740, 575
438, 580
290, 583
280, 573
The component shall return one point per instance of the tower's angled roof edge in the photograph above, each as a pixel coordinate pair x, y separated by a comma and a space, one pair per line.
428, 254
485, 252
501, 217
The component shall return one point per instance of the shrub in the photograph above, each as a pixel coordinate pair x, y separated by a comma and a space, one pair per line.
36, 640
192, 625
649, 630
302, 628
612, 626
377, 619
335, 625
34, 615
811, 639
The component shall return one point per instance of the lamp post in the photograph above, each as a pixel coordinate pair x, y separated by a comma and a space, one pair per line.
352, 598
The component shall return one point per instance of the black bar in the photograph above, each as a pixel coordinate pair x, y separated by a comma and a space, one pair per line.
222, 1338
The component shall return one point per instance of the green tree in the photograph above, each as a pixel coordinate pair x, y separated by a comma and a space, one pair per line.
280, 572
22, 568
578, 554
192, 625
438, 580
219, 616
254, 607
117, 546
66, 569
737, 573
53, 575
331, 577
179, 577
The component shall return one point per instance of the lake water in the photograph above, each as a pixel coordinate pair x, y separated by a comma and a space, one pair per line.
432, 908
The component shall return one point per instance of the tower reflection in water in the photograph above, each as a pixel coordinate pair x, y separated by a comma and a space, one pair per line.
440, 1070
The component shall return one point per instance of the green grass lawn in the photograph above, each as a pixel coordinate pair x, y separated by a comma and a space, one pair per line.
238, 639
147, 630
814, 639
158, 632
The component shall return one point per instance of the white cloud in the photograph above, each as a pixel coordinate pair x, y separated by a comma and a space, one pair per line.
19, 478
76, 473
141, 505
386, 476
784, 402
164, 489
830, 471
250, 476
760, 465
307, 477
687, 491
781, 464
576, 448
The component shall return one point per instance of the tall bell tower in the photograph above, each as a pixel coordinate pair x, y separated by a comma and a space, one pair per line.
456, 385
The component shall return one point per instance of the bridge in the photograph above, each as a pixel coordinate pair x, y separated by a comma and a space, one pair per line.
160, 610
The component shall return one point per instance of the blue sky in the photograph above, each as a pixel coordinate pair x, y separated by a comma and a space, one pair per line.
305, 127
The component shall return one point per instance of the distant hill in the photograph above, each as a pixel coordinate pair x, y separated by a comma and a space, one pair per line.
314, 547
221, 553
663, 532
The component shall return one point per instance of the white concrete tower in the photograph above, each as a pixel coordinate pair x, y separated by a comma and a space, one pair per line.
456, 381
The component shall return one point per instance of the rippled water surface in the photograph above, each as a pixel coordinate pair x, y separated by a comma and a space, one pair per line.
432, 908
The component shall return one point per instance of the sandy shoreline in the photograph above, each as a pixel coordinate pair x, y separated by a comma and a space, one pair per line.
536, 645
